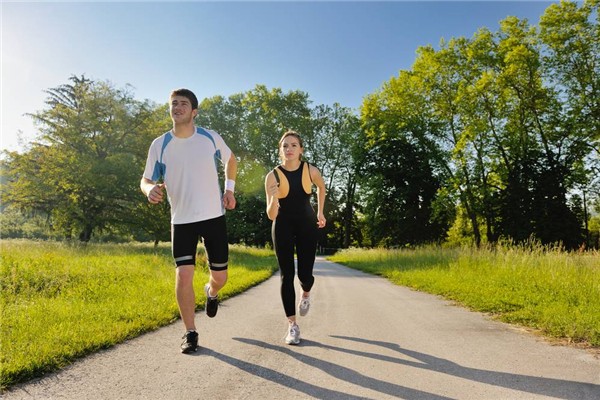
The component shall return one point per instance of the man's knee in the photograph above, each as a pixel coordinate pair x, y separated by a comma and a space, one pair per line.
184, 275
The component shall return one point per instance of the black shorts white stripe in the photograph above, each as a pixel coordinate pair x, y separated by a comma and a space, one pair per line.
184, 242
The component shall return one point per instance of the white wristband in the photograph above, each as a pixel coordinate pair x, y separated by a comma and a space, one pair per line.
230, 185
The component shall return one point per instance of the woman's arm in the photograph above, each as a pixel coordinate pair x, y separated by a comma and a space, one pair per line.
320, 184
271, 190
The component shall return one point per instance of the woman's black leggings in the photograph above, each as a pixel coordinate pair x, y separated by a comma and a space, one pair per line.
301, 234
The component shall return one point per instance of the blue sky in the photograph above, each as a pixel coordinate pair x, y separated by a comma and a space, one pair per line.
335, 51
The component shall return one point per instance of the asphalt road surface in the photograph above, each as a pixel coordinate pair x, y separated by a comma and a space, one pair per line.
363, 338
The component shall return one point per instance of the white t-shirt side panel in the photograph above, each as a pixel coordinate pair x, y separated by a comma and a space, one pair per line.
152, 170
224, 150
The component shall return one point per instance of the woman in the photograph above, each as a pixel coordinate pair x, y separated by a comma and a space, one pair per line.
288, 190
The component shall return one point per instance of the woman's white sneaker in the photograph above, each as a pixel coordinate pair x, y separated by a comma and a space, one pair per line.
303, 306
293, 335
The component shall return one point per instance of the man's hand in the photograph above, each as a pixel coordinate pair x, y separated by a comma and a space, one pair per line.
156, 194
228, 200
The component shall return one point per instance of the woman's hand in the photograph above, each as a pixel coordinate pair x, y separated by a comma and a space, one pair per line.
273, 189
321, 221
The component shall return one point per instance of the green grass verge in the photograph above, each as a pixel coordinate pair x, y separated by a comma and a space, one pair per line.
554, 292
60, 302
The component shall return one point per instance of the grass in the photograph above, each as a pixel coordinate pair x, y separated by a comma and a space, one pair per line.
60, 302
554, 292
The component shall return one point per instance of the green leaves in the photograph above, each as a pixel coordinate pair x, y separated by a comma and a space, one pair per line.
85, 172
501, 118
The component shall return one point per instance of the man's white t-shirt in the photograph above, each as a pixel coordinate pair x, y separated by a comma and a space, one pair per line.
188, 168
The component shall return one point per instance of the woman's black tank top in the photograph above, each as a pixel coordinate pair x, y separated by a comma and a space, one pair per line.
297, 202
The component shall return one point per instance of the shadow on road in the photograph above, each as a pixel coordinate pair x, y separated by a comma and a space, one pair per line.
343, 373
281, 379
557, 388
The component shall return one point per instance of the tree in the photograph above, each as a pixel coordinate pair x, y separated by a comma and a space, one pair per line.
507, 122
572, 64
252, 122
84, 171
335, 131
400, 167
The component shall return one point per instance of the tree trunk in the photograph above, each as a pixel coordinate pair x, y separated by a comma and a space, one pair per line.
86, 234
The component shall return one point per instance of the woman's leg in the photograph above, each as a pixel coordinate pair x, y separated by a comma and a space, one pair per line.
306, 248
283, 243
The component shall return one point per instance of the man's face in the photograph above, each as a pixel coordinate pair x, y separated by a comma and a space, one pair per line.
181, 110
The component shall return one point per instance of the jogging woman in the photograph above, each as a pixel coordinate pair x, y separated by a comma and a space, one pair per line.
295, 226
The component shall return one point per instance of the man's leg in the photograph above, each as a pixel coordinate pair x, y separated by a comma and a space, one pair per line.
186, 298
214, 232
184, 242
217, 280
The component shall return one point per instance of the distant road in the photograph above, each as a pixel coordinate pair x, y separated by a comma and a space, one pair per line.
363, 338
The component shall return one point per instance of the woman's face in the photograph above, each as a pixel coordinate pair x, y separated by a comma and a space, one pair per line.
290, 149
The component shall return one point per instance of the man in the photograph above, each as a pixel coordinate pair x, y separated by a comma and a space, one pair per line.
185, 161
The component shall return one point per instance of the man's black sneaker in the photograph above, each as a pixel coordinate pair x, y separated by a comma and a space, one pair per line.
190, 342
212, 303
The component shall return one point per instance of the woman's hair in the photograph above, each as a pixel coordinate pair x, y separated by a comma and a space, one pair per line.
291, 133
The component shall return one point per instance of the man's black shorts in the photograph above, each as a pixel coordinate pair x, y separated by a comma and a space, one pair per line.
184, 242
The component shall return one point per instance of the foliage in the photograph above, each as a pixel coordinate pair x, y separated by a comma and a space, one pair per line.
505, 122
485, 138
252, 124
85, 170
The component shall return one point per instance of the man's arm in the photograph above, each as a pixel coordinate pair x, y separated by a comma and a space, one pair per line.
230, 175
231, 168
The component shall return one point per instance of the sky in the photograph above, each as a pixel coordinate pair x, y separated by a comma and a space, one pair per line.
337, 52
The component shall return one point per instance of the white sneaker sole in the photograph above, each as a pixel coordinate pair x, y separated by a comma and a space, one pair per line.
292, 342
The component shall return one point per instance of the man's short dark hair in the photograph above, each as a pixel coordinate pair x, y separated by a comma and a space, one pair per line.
188, 94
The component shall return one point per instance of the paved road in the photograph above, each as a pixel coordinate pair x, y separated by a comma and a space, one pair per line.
364, 338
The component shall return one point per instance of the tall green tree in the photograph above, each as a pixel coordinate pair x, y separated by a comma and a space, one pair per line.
570, 34
400, 165
84, 171
252, 123
441, 78
505, 121
335, 131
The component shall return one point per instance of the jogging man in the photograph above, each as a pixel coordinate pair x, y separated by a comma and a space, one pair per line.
183, 162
